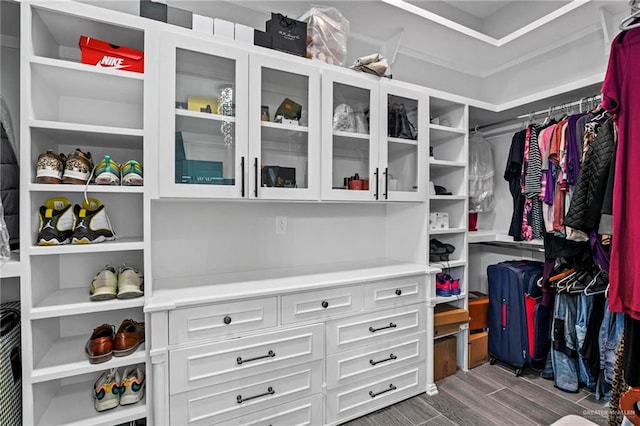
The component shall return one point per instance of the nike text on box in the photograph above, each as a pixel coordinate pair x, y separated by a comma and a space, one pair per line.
106, 55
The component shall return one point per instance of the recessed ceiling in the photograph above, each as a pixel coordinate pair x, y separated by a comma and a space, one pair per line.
479, 8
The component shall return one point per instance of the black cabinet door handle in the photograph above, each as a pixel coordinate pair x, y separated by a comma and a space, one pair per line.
398, 292
377, 182
373, 394
269, 391
255, 177
325, 304
391, 325
227, 320
269, 354
386, 183
391, 358
242, 174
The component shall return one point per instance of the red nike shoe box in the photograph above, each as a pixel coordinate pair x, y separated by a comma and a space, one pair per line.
106, 55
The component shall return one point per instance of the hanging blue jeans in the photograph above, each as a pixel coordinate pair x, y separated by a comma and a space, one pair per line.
583, 313
610, 333
564, 351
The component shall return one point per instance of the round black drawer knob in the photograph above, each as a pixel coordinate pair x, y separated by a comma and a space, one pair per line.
325, 304
398, 292
227, 320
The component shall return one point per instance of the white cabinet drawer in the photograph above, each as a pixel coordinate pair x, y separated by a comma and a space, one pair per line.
219, 362
347, 333
400, 291
220, 320
303, 412
372, 360
225, 401
348, 402
321, 304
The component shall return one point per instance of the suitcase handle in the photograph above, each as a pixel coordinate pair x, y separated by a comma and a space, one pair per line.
504, 314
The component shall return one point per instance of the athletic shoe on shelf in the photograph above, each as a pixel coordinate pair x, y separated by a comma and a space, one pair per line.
50, 167
130, 283
455, 286
132, 387
78, 168
107, 172
132, 173
106, 390
104, 285
92, 224
443, 286
57, 222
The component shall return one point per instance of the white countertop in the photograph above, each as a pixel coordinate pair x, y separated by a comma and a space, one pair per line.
496, 236
188, 291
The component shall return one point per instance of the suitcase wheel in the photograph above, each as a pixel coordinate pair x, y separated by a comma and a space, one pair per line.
519, 371
492, 360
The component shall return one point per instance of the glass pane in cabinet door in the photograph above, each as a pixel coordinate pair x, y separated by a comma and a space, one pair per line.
284, 117
205, 146
351, 148
402, 144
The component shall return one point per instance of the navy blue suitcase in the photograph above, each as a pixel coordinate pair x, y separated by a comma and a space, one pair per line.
517, 332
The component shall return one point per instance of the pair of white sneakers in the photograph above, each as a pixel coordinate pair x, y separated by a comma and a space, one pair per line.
123, 283
112, 389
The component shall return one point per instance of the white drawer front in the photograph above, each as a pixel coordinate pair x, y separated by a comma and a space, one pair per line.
225, 401
321, 304
353, 401
348, 333
400, 291
219, 320
372, 360
303, 412
212, 363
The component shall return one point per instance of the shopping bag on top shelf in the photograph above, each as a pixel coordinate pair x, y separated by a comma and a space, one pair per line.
287, 34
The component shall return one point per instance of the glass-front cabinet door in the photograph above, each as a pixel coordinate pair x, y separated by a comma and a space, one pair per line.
203, 119
284, 128
403, 134
350, 111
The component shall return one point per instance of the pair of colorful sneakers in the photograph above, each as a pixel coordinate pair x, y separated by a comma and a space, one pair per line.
446, 285
124, 283
109, 172
113, 389
74, 168
62, 223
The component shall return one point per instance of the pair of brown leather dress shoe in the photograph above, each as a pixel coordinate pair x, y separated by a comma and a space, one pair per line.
105, 342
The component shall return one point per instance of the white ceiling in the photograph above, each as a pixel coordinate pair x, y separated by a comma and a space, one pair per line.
478, 8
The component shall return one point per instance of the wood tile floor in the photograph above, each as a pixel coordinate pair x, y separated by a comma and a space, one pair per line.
489, 395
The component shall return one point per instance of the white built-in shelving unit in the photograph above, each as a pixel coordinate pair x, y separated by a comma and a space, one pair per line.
67, 105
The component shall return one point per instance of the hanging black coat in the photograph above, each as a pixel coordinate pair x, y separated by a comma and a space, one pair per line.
586, 203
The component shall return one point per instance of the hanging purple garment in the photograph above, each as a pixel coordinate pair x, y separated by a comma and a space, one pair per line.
599, 254
573, 150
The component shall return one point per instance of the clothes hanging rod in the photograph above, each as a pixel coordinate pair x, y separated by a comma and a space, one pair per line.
562, 107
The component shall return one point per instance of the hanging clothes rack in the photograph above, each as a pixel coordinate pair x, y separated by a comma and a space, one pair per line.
631, 21
588, 101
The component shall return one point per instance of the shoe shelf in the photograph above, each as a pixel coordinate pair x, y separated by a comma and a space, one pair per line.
448, 299
450, 264
67, 358
70, 402
75, 301
91, 189
85, 68
50, 133
120, 244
